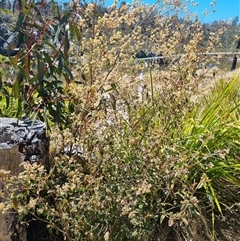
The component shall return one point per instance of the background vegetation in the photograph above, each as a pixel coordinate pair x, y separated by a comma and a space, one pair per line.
131, 158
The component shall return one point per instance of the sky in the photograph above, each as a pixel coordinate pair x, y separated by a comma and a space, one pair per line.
224, 9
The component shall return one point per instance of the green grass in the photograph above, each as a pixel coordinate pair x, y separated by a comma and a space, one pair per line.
211, 134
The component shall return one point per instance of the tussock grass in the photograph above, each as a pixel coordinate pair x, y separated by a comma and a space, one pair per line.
212, 137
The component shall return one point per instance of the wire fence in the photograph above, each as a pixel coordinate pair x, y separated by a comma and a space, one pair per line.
234, 54
161, 60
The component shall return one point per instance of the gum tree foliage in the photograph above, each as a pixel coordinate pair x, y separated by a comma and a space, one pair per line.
42, 62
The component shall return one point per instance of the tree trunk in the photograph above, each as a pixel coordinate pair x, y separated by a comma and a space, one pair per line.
20, 141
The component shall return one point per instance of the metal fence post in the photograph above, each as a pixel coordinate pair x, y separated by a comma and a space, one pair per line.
234, 63
238, 44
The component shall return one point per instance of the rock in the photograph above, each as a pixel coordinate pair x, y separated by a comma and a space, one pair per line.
29, 136
8, 40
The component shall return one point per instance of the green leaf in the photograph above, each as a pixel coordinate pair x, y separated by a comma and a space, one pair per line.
77, 31
16, 87
66, 46
19, 107
6, 94
25, 11
68, 72
215, 197
58, 12
20, 21
45, 118
52, 46
40, 69
1, 80
58, 112
71, 107
65, 18
163, 216
60, 65
59, 29
50, 69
